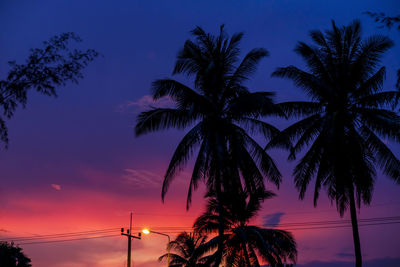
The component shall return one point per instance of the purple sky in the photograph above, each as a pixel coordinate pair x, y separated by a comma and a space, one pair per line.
73, 162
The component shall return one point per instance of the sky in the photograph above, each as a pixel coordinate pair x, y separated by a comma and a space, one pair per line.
73, 162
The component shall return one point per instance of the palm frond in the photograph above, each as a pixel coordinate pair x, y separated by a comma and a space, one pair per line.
386, 160
379, 100
291, 133
253, 105
255, 126
157, 119
261, 157
247, 67
185, 97
200, 170
306, 168
384, 122
182, 154
300, 108
310, 83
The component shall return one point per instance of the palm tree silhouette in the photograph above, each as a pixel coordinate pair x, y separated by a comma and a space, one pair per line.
224, 113
244, 244
346, 121
189, 251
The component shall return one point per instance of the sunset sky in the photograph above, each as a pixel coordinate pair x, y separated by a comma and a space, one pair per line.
73, 163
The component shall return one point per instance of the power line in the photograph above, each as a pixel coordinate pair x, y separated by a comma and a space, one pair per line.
337, 226
91, 232
303, 228
312, 225
61, 235
393, 218
66, 240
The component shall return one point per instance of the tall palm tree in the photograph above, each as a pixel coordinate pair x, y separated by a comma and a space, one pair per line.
224, 113
189, 253
245, 244
346, 120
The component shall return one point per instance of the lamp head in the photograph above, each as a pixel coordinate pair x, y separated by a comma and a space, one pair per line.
146, 231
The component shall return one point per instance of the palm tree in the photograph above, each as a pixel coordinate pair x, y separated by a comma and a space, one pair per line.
189, 251
346, 120
224, 113
244, 244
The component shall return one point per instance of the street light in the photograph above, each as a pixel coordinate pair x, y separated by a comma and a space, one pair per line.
148, 231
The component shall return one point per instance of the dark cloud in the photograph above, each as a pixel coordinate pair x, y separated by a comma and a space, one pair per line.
144, 103
345, 255
272, 220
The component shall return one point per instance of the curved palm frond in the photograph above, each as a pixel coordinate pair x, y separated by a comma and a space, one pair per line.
162, 119
182, 154
190, 250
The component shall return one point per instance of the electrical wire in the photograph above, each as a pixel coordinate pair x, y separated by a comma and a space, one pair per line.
393, 218
64, 234
312, 225
337, 226
106, 236
66, 240
61, 235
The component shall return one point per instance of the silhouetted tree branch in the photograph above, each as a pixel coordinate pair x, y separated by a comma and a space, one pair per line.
389, 22
12, 256
386, 21
44, 70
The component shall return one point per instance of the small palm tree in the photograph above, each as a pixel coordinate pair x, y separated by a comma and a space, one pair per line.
188, 247
224, 113
244, 244
346, 121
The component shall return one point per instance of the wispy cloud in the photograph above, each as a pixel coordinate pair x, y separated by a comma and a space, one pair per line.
346, 255
143, 103
142, 178
56, 187
273, 219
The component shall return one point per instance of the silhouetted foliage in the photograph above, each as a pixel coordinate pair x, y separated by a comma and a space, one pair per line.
44, 70
346, 122
224, 113
244, 244
189, 251
387, 21
12, 256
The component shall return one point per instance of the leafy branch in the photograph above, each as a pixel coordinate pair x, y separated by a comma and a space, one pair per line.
44, 70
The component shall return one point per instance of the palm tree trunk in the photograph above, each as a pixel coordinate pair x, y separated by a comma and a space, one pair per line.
354, 224
218, 258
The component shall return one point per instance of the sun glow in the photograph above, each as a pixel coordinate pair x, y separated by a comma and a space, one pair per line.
146, 231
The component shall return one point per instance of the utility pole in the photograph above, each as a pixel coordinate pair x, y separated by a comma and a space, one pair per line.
130, 236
